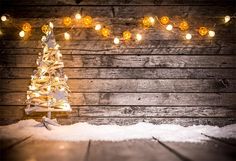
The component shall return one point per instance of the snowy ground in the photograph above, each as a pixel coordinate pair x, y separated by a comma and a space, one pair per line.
85, 131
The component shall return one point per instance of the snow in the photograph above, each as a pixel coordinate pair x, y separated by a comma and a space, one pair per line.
85, 131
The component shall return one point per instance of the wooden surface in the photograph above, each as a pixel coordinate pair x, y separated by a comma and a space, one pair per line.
164, 79
132, 150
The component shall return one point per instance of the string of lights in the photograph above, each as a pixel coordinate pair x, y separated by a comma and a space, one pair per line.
105, 31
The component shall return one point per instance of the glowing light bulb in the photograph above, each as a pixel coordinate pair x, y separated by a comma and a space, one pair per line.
67, 21
211, 33
51, 25
138, 37
227, 19
22, 33
98, 27
164, 20
116, 40
26, 27
152, 20
127, 35
62, 89
169, 27
188, 36
4, 18
36, 94
67, 36
78, 16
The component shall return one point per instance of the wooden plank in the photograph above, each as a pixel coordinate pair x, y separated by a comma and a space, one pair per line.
132, 85
114, 2
56, 150
126, 61
155, 46
180, 99
131, 120
11, 114
209, 151
118, 11
129, 150
86, 48
127, 73
156, 111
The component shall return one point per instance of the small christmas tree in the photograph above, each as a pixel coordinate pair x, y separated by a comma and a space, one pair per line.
48, 91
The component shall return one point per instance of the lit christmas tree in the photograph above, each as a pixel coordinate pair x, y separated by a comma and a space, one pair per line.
48, 91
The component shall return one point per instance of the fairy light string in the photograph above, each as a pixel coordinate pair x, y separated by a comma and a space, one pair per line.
87, 22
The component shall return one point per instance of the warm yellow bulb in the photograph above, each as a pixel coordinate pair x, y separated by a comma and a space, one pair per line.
87, 21
98, 27
164, 20
67, 36
22, 33
169, 27
203, 31
67, 21
45, 29
227, 19
211, 33
1, 33
116, 40
127, 35
78, 16
138, 37
183, 25
26, 27
148, 21
4, 18
105, 32
188, 36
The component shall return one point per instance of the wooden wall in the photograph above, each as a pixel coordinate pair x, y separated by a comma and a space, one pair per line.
162, 80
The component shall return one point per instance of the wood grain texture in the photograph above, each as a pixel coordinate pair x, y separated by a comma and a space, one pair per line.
164, 79
214, 151
126, 61
118, 11
132, 85
127, 73
131, 120
129, 150
115, 2
169, 99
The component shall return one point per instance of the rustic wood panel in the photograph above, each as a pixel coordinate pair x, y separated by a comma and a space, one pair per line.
164, 79
118, 11
181, 99
115, 2
36, 149
212, 150
126, 61
106, 45
132, 85
128, 73
127, 121
84, 48
131, 150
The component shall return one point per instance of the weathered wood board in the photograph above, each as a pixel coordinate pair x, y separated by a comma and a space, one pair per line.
163, 79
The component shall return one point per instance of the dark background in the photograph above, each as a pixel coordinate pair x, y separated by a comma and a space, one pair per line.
162, 80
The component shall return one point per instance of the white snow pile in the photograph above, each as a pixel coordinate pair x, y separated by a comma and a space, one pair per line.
85, 131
